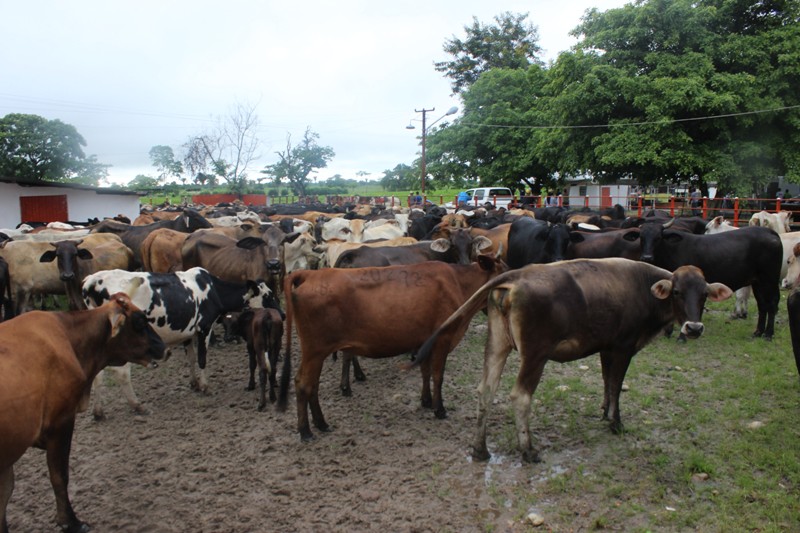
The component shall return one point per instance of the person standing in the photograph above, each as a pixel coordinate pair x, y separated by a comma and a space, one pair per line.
695, 198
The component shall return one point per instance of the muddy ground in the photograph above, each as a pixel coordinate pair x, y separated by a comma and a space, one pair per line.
213, 463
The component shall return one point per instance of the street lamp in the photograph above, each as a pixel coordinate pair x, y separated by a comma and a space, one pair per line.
452, 111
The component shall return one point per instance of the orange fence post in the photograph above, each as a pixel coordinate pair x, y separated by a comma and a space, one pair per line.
639, 206
736, 211
778, 205
705, 207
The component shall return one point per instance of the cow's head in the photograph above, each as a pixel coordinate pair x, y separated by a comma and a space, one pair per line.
792, 278
132, 338
650, 235
66, 254
688, 291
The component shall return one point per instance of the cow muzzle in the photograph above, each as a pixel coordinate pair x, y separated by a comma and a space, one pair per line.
274, 266
67, 276
692, 330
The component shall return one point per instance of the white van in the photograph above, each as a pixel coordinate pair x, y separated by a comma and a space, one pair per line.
497, 196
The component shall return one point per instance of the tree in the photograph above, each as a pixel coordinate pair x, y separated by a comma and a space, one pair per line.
33, 148
657, 73
512, 44
400, 178
143, 183
228, 150
298, 162
163, 158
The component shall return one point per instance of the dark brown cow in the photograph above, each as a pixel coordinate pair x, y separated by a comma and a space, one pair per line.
238, 261
599, 244
373, 312
47, 363
793, 306
262, 330
567, 311
133, 236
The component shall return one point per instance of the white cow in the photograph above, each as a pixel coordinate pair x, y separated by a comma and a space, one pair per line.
779, 222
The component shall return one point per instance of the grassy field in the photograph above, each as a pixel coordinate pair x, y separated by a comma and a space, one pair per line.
712, 440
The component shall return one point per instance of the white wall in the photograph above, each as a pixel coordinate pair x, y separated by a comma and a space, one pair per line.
619, 195
81, 204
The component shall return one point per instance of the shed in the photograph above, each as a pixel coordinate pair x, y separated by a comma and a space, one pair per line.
587, 193
60, 202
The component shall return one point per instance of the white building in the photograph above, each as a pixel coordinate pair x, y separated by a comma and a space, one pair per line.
587, 193
59, 202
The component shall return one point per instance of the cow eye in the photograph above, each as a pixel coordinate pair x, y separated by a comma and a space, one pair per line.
139, 321
676, 292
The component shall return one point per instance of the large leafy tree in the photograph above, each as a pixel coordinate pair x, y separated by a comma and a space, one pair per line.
510, 43
296, 163
33, 148
163, 158
401, 177
668, 90
491, 140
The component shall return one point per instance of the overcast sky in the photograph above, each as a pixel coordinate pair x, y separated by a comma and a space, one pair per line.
132, 75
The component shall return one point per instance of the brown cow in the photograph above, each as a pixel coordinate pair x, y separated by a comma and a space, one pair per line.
349, 310
567, 311
238, 261
47, 363
262, 330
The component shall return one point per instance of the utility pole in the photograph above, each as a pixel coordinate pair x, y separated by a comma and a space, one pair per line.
424, 133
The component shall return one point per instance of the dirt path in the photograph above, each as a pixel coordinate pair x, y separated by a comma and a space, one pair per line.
213, 463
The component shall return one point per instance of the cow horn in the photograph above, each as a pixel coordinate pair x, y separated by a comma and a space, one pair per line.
667, 225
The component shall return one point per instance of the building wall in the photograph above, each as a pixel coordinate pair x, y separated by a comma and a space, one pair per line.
81, 204
619, 195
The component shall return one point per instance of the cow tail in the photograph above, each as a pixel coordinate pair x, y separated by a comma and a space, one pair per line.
454, 328
286, 371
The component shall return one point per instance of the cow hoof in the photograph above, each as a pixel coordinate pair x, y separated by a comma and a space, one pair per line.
360, 376
481, 455
262, 406
99, 416
427, 403
250, 386
79, 527
325, 428
531, 456
758, 333
441, 413
347, 391
306, 435
617, 428
141, 410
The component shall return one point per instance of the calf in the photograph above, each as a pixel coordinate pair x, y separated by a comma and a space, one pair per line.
262, 330
345, 309
567, 311
182, 307
47, 363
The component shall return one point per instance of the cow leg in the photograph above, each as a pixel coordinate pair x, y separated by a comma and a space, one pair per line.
263, 369
122, 375
740, 308
198, 380
357, 372
97, 394
344, 382
58, 450
494, 361
306, 384
793, 307
426, 398
530, 373
251, 355
6, 488
276, 334
615, 366
767, 298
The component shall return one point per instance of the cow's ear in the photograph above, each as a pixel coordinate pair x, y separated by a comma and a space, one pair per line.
117, 317
480, 242
440, 245
250, 243
486, 262
48, 257
631, 236
133, 286
576, 237
290, 238
662, 289
673, 237
83, 253
718, 292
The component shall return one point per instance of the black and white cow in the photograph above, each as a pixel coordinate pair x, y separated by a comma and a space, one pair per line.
182, 308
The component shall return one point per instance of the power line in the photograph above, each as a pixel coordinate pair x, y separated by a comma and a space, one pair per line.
627, 124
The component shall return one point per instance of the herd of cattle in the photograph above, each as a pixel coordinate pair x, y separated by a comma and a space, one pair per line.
364, 281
